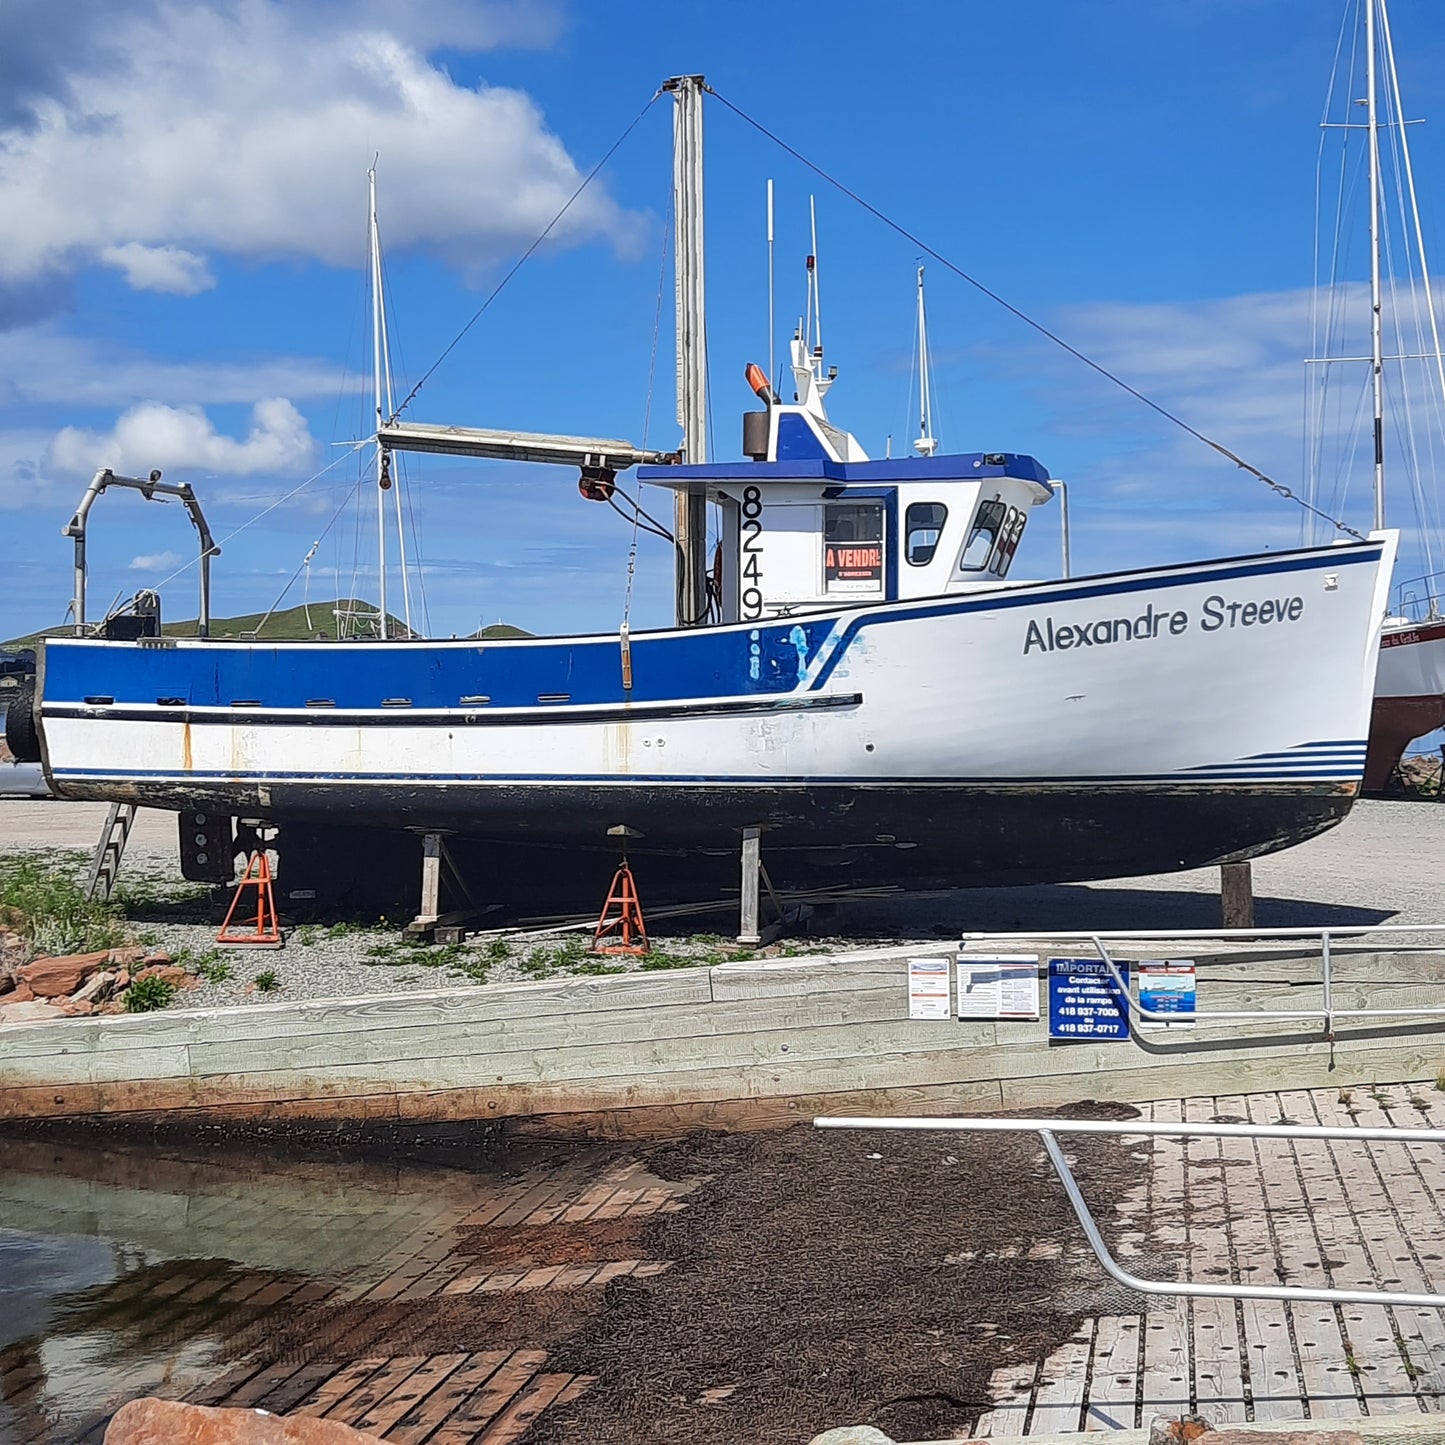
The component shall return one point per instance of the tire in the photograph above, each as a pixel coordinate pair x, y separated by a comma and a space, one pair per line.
21, 735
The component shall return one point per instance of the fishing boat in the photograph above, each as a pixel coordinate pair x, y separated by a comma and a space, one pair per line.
859, 676
1410, 682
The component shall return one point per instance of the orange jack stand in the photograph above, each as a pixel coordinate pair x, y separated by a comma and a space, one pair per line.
626, 910
267, 933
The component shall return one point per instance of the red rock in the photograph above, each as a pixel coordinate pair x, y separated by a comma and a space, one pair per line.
7, 981
21, 993
169, 1422
77, 1008
28, 1013
158, 956
95, 987
113, 1007
51, 977
125, 957
171, 973
122, 979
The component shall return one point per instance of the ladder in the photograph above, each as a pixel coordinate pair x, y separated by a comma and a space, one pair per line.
109, 850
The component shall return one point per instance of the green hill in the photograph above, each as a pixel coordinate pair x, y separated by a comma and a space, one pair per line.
290, 625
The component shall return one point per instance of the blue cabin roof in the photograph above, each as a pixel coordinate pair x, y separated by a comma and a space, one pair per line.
959, 467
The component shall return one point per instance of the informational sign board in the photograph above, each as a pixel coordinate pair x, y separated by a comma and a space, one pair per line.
1084, 1001
1167, 986
998, 986
928, 988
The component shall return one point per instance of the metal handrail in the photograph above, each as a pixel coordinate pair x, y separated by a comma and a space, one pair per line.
1327, 1013
1047, 1128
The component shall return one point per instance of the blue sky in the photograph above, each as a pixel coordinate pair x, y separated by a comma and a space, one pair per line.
182, 252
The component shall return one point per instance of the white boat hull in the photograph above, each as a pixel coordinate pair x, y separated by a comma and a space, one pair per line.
1136, 722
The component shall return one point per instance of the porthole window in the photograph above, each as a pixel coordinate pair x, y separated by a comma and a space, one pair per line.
923, 526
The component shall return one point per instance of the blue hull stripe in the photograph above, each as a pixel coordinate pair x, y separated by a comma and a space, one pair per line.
693, 780
793, 656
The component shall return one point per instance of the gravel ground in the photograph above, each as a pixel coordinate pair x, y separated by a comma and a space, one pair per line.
1381, 865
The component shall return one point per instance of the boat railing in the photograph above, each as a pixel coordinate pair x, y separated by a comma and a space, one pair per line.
1418, 598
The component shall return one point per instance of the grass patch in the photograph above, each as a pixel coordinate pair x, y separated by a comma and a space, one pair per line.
55, 916
266, 981
560, 958
146, 995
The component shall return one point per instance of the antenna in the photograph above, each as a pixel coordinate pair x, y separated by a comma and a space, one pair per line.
816, 317
927, 443
772, 325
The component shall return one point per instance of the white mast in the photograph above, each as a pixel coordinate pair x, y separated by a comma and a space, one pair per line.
378, 345
1377, 346
927, 443
690, 507
772, 325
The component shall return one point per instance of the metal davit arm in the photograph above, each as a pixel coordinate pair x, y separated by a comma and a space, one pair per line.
148, 488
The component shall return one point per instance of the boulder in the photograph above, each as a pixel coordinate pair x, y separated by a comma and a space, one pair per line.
21, 993
33, 1012
157, 955
126, 957
171, 973
169, 1422
76, 1008
51, 977
94, 987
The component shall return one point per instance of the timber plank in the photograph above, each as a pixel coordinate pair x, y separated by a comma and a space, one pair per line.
1113, 1375
375, 1388
341, 1384
517, 1418
410, 1393
433, 1411
1062, 1388
486, 1403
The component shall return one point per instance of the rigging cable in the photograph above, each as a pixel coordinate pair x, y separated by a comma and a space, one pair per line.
1278, 488
524, 257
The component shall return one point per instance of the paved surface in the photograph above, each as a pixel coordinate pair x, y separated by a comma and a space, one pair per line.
1261, 1212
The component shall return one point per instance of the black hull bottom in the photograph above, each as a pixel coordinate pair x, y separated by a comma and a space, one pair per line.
525, 845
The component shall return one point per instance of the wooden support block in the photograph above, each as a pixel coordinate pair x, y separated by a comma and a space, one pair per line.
1236, 895
752, 860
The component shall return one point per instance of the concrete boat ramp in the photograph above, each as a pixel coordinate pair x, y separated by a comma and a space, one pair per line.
740, 1045
383, 1349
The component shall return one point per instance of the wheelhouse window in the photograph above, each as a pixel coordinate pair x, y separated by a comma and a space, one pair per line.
1008, 542
853, 547
983, 536
922, 527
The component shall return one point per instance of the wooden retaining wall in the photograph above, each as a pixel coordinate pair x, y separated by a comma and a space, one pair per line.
741, 1045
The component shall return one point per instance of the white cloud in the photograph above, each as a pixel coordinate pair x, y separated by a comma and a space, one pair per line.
156, 562
41, 365
182, 130
160, 268
183, 437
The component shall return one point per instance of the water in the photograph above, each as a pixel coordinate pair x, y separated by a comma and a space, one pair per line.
158, 1270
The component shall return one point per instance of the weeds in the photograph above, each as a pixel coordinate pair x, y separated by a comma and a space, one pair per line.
267, 982
57, 917
1440, 1081
211, 966
499, 950
146, 995
1344, 1096
306, 935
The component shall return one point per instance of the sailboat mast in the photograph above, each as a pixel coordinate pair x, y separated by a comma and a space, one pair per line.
927, 443
1377, 340
690, 507
378, 346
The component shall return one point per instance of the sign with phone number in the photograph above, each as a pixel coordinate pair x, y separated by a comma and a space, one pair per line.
1084, 1001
